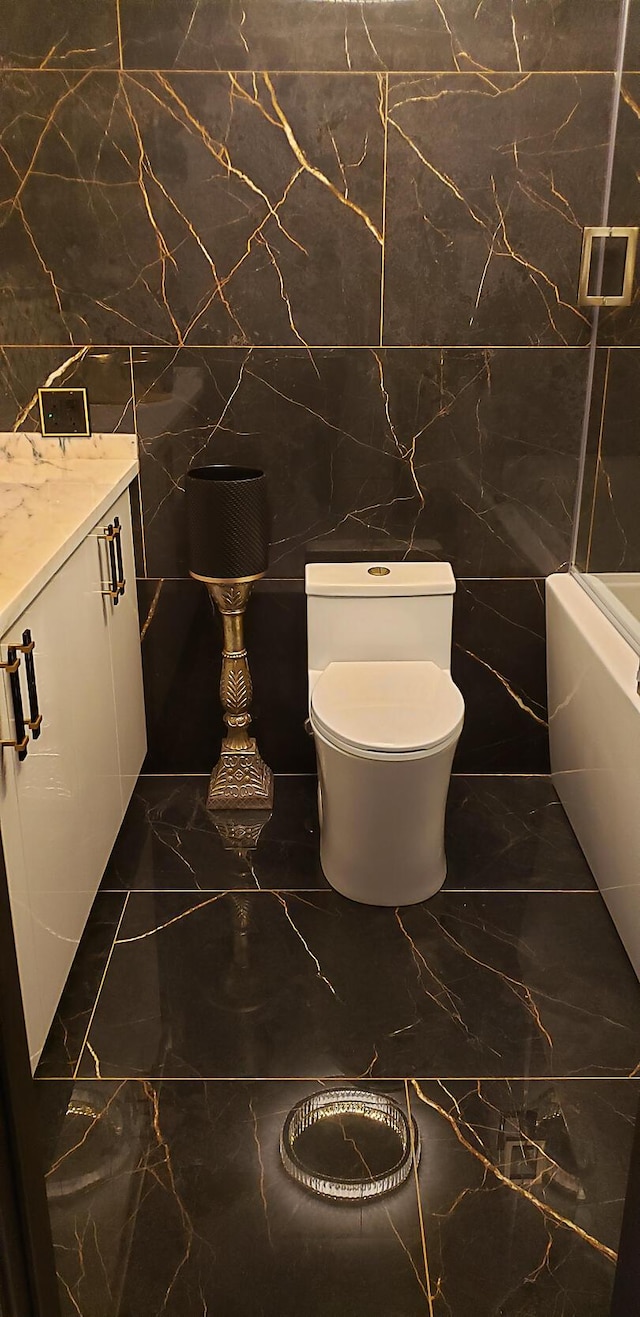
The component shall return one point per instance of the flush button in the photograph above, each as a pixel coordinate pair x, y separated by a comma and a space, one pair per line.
379, 571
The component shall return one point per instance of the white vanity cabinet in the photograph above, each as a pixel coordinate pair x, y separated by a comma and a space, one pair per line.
62, 802
126, 664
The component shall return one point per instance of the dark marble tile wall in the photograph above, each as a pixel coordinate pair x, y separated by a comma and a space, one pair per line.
104, 372
181, 646
272, 208
453, 451
341, 242
498, 661
632, 44
458, 449
61, 34
158, 208
488, 215
425, 34
621, 326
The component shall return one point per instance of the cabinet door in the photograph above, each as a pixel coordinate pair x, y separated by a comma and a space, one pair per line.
17, 883
126, 661
39, 808
64, 798
98, 794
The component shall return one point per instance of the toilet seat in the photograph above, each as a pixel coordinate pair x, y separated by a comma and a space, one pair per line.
387, 710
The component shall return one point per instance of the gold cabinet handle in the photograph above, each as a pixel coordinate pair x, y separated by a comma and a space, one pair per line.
11, 667
585, 298
117, 531
34, 721
110, 535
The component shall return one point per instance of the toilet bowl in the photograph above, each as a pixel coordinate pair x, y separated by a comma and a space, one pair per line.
386, 718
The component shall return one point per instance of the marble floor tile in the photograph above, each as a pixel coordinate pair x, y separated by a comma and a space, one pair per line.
502, 832
522, 1187
169, 840
172, 1199
511, 832
70, 1022
239, 982
261, 984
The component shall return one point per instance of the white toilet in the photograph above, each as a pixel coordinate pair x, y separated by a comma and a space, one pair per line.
386, 718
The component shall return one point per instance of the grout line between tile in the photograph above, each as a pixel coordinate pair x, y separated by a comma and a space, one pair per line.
385, 113
119, 30
95, 1004
143, 541
167, 346
328, 890
276, 775
492, 774
460, 774
416, 1181
134, 405
178, 71
299, 581
347, 1079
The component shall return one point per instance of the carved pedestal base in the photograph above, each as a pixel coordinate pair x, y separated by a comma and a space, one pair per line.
240, 832
241, 780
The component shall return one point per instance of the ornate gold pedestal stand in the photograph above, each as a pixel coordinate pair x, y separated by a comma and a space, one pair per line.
240, 779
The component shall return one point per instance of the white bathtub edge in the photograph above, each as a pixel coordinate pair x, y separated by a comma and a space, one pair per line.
594, 734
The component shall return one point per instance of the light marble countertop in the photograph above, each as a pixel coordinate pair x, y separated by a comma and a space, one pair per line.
52, 493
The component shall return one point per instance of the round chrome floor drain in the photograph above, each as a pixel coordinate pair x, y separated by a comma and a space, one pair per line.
349, 1144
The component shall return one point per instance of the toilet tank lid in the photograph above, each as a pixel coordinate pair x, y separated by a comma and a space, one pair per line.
379, 578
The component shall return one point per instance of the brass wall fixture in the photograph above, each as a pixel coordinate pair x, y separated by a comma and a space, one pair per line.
624, 297
64, 413
228, 524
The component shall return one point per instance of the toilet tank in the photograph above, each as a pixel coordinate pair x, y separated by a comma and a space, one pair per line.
385, 611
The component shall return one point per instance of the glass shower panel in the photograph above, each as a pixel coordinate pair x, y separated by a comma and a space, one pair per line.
607, 553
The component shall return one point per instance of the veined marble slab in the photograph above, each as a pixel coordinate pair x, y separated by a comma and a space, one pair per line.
52, 493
